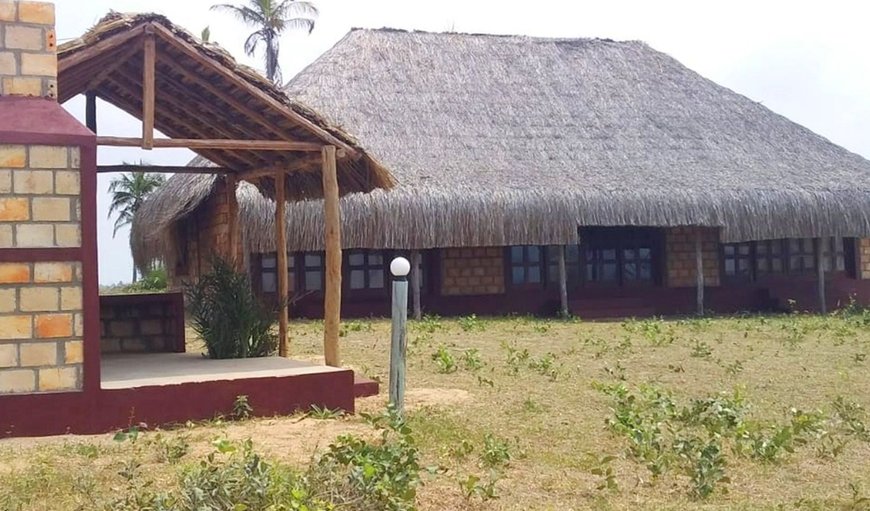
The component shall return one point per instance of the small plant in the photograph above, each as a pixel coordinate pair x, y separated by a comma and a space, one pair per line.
496, 452
701, 349
130, 434
227, 315
354, 326
324, 413
444, 360
734, 368
171, 450
461, 450
602, 468
472, 324
472, 487
707, 469
515, 358
429, 324
471, 359
242, 408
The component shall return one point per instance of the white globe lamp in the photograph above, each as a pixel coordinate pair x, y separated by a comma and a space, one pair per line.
400, 267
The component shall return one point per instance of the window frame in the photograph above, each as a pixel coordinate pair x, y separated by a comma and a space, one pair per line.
620, 239
526, 264
366, 267
839, 253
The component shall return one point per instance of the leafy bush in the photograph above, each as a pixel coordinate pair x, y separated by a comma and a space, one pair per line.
227, 315
153, 281
444, 360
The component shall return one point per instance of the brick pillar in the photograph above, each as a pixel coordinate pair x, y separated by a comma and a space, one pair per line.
864, 258
681, 270
28, 58
42, 327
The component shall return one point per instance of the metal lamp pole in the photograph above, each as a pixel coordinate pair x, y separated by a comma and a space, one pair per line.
399, 267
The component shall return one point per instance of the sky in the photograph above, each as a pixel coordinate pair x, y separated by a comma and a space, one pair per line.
805, 60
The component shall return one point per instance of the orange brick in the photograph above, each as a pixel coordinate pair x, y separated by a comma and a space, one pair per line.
13, 156
54, 325
36, 12
52, 272
12, 210
15, 327
14, 273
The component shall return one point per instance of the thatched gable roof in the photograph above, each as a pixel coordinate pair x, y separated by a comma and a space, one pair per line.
203, 93
501, 140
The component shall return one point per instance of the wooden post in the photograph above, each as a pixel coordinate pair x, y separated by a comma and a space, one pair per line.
563, 283
415, 284
820, 268
332, 244
148, 89
91, 111
699, 269
232, 221
281, 253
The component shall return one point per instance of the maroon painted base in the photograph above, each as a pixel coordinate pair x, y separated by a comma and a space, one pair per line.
100, 411
364, 387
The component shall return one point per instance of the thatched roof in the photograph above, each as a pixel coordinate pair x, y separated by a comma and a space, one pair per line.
500, 140
203, 93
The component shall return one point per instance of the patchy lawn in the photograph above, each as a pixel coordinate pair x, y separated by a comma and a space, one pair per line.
520, 413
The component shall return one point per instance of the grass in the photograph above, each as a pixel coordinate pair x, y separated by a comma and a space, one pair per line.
520, 421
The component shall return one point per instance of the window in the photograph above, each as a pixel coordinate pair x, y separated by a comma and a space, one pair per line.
619, 256
526, 265
737, 260
836, 252
572, 264
268, 275
312, 271
801, 255
794, 256
366, 270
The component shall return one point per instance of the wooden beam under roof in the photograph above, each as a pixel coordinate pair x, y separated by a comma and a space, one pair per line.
163, 169
225, 143
149, 92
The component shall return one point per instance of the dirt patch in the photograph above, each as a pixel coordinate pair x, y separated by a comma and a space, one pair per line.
417, 398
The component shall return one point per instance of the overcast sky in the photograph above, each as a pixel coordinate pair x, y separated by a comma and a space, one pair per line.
804, 60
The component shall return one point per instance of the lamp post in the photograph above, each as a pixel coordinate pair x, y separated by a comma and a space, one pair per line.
399, 267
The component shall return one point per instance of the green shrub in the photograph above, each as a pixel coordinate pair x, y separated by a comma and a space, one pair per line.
227, 315
154, 281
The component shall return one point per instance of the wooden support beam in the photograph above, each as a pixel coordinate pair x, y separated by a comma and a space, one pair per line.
699, 270
332, 243
91, 111
281, 252
219, 143
164, 169
65, 62
415, 283
95, 81
563, 282
820, 270
233, 222
191, 52
149, 62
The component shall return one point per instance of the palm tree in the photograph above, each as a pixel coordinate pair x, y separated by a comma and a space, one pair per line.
128, 191
271, 18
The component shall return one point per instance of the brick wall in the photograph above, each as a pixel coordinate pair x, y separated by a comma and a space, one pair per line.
864, 258
681, 267
28, 59
472, 271
142, 323
40, 326
201, 235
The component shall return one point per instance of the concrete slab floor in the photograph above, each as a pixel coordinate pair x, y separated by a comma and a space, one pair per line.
127, 370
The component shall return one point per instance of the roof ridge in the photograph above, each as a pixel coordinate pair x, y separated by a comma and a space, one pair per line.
388, 30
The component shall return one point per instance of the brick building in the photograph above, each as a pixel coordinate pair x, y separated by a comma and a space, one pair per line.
513, 153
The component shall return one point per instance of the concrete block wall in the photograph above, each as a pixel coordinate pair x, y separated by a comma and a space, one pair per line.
142, 323
41, 348
681, 267
864, 258
472, 271
28, 49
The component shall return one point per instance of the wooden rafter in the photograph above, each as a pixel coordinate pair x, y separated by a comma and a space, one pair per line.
98, 48
196, 56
